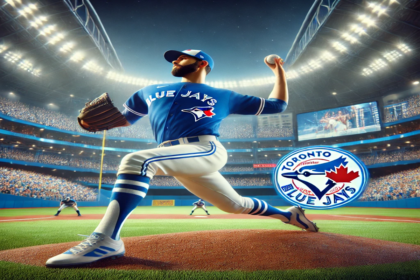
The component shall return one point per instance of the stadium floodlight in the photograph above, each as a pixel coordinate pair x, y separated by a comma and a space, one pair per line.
404, 48
315, 64
292, 74
339, 47
57, 38
349, 38
77, 57
71, 95
367, 72
393, 1
2, 48
12, 57
32, 6
11, 2
306, 69
47, 30
392, 55
378, 64
416, 82
377, 8
359, 30
334, 93
327, 56
366, 20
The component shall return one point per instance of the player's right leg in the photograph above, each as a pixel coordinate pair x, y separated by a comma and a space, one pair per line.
192, 211
215, 189
59, 209
131, 187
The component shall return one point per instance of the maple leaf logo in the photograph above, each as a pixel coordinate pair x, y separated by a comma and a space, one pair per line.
341, 176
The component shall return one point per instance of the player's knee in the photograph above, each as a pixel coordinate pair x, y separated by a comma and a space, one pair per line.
130, 161
242, 206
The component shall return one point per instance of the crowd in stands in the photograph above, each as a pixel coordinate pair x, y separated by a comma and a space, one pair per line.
412, 109
62, 160
111, 163
16, 154
239, 168
398, 185
274, 133
36, 185
168, 181
235, 127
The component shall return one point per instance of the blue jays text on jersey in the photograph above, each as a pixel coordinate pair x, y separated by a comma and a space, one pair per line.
190, 109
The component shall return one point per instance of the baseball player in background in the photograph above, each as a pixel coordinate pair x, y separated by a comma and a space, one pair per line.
68, 202
199, 204
185, 118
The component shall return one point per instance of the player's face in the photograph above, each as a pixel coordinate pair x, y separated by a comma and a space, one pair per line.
184, 65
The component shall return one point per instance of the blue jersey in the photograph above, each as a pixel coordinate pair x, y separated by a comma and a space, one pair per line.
190, 109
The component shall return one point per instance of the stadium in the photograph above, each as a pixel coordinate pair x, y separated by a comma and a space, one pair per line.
353, 79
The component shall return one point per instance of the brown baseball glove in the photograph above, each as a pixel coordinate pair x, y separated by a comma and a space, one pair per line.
100, 114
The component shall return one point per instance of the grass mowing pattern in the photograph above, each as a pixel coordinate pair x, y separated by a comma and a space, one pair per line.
407, 270
185, 210
24, 234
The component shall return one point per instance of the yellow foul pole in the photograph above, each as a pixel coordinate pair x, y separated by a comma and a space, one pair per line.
102, 164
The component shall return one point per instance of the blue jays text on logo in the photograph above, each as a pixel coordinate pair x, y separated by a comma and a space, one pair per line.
320, 177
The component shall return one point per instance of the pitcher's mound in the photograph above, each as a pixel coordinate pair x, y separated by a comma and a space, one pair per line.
247, 250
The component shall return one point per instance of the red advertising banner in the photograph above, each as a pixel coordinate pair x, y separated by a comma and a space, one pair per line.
265, 165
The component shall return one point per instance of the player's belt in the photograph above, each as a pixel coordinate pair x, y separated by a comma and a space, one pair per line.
187, 140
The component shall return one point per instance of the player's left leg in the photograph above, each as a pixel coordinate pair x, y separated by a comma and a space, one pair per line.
77, 210
215, 189
205, 210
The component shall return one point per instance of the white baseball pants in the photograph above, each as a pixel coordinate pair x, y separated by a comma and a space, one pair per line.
195, 165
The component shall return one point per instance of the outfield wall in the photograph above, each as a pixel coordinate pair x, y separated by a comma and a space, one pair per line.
11, 201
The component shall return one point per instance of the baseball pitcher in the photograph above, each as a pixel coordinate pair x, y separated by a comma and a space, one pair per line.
199, 204
68, 202
185, 118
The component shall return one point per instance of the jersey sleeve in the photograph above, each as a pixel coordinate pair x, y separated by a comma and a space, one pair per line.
135, 107
245, 104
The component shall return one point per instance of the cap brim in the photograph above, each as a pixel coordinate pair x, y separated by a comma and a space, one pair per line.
172, 55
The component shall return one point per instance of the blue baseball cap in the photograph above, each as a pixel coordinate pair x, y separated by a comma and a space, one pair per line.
173, 55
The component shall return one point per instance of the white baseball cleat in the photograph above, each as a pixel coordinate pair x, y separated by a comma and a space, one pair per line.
299, 219
96, 247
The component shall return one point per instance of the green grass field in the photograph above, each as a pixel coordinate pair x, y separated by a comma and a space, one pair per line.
31, 233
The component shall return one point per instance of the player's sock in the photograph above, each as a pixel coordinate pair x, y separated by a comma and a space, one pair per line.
262, 208
128, 191
58, 213
192, 212
78, 213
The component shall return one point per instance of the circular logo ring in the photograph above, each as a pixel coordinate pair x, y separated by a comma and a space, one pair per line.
320, 177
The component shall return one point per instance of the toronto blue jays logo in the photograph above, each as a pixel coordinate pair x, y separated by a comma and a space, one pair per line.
200, 113
320, 177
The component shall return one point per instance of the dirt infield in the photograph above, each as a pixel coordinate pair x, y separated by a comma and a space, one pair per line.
246, 250
314, 217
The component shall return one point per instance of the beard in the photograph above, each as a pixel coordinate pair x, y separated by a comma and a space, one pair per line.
182, 71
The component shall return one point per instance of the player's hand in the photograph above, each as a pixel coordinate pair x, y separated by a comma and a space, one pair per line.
277, 67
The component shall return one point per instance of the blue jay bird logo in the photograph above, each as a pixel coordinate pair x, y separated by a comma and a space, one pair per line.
309, 173
320, 177
200, 112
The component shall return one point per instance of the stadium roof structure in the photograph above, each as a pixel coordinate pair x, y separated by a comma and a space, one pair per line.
50, 49
354, 51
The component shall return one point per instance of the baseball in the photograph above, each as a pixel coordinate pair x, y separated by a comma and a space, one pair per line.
271, 57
